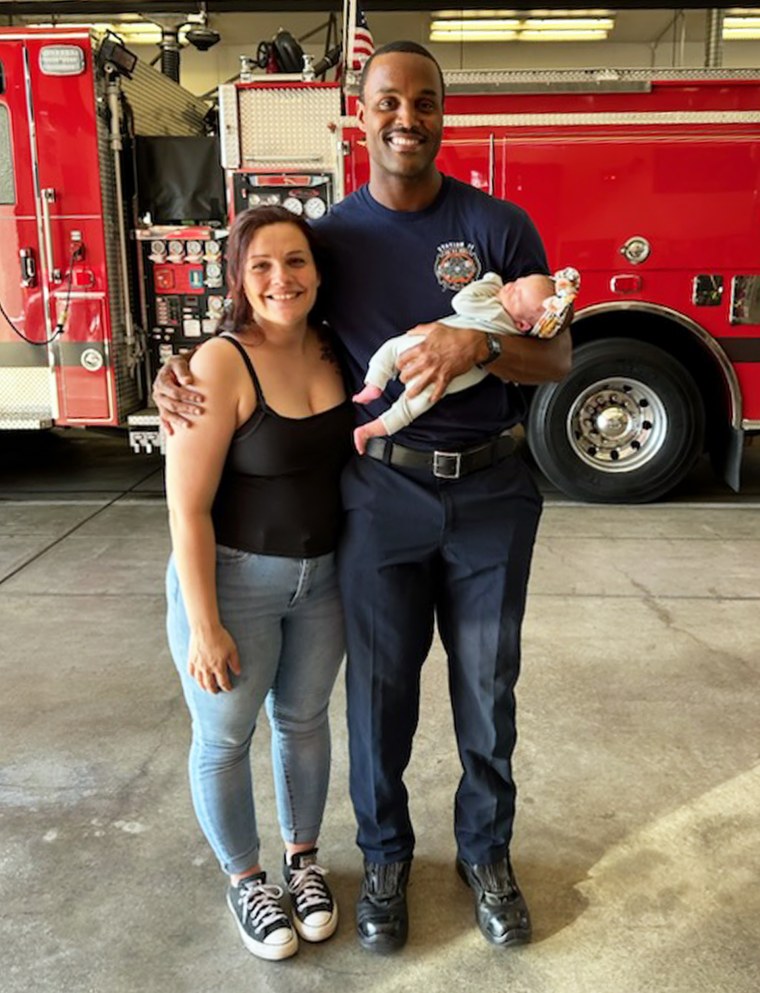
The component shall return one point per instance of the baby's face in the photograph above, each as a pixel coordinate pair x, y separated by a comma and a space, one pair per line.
523, 299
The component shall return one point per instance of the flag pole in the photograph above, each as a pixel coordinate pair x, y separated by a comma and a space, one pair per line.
349, 36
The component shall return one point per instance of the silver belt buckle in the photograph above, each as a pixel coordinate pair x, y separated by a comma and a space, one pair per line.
447, 465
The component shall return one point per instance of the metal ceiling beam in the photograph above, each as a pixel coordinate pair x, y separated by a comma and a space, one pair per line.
90, 8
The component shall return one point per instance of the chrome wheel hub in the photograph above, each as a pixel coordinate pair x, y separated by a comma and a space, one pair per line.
617, 425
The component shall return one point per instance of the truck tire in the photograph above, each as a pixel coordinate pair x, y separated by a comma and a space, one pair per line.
625, 426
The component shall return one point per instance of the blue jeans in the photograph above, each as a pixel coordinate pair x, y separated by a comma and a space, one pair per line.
286, 619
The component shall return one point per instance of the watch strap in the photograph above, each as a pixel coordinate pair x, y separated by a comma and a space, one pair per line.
494, 350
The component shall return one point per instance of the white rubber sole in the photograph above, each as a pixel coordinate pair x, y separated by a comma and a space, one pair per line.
320, 933
273, 952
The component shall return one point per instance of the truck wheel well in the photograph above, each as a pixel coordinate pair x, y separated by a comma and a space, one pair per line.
681, 343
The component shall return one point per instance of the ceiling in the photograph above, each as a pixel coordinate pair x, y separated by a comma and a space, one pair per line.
52, 8
636, 22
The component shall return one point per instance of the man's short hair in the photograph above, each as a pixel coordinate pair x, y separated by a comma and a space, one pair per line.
408, 48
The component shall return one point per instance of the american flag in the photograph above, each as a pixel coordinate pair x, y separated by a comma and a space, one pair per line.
363, 43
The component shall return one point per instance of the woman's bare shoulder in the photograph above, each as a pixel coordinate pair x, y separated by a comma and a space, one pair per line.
215, 357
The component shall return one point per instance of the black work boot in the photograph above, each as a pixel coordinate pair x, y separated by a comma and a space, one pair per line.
382, 923
500, 908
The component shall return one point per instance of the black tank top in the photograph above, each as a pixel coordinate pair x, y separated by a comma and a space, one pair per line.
279, 492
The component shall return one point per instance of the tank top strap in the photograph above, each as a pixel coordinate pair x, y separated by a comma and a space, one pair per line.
261, 402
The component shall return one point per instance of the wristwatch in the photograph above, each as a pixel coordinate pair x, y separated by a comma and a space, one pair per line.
494, 350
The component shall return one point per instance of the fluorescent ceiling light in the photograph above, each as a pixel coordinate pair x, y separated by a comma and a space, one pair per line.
131, 28
492, 24
741, 34
511, 25
741, 28
490, 13
483, 35
569, 24
561, 35
741, 22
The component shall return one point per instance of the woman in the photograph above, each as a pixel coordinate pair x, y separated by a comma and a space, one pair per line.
254, 614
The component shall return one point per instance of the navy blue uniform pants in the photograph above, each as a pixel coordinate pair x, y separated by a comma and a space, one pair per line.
417, 551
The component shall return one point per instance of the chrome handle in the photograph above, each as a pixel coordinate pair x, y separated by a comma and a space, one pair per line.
28, 268
47, 196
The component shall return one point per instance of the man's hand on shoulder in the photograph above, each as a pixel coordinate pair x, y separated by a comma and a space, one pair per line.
173, 393
445, 354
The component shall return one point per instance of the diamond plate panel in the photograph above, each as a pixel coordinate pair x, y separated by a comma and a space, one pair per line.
289, 127
229, 131
7, 193
25, 396
550, 78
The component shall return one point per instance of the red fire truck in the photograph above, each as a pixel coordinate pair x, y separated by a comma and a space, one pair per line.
72, 344
646, 181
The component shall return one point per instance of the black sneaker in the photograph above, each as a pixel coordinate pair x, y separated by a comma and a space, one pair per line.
263, 925
315, 913
500, 908
382, 921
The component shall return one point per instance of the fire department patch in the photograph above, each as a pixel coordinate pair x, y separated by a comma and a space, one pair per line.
456, 265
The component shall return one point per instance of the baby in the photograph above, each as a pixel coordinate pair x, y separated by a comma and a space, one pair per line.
488, 304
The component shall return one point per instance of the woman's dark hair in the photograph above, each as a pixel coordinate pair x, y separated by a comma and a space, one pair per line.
239, 316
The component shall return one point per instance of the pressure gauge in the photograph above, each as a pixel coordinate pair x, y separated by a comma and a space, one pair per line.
213, 274
176, 247
158, 248
315, 207
194, 247
254, 199
293, 204
213, 249
272, 198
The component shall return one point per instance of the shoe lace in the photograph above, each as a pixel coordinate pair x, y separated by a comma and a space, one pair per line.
307, 885
258, 902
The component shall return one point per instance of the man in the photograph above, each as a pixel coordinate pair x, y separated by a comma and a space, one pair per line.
440, 520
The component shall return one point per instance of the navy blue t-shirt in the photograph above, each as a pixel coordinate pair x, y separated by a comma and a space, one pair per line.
392, 270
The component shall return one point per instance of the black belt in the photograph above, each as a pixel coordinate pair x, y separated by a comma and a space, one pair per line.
443, 465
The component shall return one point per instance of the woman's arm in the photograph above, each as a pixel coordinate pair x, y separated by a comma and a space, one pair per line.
194, 462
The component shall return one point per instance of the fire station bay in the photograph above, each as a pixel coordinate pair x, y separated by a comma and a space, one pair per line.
196, 798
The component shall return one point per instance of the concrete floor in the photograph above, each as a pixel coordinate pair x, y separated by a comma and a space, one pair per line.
638, 836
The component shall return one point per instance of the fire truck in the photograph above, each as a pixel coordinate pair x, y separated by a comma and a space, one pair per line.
74, 332
645, 180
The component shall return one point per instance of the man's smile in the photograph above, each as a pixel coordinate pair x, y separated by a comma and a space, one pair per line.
405, 141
